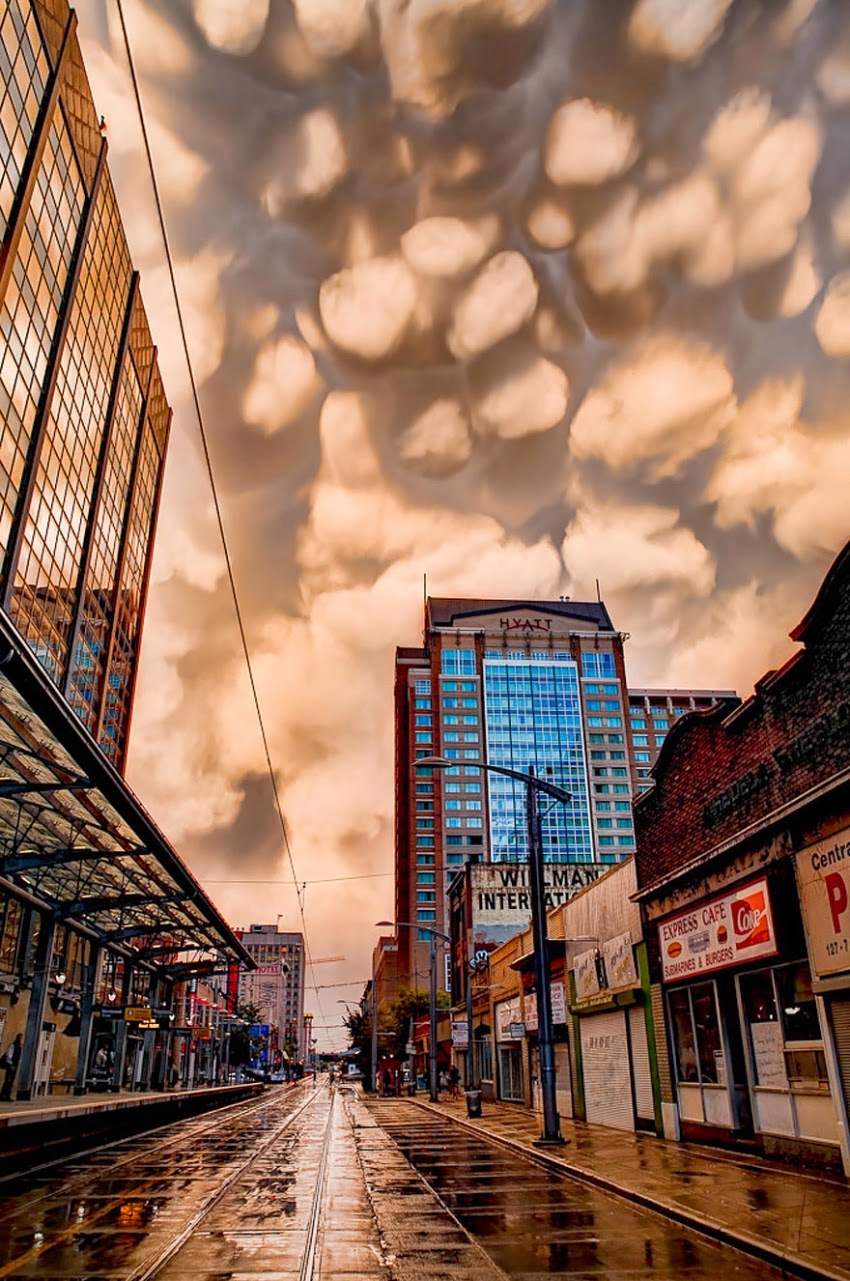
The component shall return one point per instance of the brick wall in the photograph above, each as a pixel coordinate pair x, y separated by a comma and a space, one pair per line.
722, 769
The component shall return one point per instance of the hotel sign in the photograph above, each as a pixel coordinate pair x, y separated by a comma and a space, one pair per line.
823, 877
501, 898
731, 929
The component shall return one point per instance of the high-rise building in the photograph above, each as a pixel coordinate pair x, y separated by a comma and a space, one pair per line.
522, 684
97, 910
651, 714
84, 420
276, 986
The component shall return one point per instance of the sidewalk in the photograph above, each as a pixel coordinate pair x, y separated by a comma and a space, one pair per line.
796, 1221
53, 1107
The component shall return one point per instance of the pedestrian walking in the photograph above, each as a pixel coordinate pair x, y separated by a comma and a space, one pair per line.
9, 1062
454, 1082
443, 1082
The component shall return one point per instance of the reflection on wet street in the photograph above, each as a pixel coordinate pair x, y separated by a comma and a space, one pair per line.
534, 1223
316, 1183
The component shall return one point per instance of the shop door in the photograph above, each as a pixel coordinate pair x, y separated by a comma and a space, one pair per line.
563, 1080
605, 1067
44, 1058
839, 1018
641, 1073
510, 1074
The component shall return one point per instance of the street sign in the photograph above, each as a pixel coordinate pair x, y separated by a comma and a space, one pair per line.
517, 1031
138, 1014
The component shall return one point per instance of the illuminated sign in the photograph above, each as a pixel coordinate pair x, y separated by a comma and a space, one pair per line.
138, 1014
732, 929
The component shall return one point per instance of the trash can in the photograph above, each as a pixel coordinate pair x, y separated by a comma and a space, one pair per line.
473, 1102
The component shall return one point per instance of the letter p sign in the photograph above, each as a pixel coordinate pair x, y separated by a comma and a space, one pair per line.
836, 893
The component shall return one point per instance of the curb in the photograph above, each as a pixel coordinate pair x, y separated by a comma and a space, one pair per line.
756, 1247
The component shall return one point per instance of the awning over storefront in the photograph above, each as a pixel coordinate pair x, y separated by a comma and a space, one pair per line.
76, 843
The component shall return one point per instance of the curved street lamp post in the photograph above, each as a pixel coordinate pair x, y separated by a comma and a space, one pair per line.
533, 785
433, 1084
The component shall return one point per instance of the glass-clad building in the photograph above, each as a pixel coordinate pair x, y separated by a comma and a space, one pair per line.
84, 420
533, 720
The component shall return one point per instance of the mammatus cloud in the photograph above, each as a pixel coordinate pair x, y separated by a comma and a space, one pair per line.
512, 293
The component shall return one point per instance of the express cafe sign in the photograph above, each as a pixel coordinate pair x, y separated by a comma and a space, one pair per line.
732, 929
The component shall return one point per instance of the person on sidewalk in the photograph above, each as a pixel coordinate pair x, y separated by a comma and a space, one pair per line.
9, 1062
454, 1082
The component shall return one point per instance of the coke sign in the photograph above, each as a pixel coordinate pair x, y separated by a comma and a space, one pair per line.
731, 929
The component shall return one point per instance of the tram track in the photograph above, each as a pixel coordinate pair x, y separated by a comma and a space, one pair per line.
95, 1187
78, 1183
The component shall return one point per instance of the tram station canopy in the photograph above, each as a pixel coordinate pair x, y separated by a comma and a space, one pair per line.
75, 841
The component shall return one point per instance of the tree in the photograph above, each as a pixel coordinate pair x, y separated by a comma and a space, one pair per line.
411, 1003
244, 1048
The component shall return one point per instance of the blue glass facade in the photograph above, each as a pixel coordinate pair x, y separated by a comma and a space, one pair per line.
532, 713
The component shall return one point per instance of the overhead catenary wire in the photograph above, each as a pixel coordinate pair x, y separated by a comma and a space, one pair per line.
240, 622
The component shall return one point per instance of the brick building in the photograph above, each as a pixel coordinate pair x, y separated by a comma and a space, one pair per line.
743, 862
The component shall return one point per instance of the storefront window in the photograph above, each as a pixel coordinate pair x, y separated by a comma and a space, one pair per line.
782, 1021
797, 1002
696, 1035
683, 1036
10, 919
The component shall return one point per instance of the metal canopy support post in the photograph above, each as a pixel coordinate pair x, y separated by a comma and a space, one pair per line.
433, 1083
470, 1045
86, 1018
374, 1037
551, 1122
121, 1031
35, 1014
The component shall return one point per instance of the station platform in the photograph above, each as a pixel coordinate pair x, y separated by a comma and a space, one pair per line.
51, 1126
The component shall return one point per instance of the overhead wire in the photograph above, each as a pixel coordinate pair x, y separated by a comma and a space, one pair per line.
211, 477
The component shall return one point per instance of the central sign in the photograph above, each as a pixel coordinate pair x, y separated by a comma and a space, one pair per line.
823, 876
732, 929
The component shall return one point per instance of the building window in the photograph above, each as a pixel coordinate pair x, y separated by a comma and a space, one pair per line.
620, 789
472, 787
606, 840
452, 805
422, 719
473, 805
602, 805
423, 736
641, 740
422, 687
449, 687
458, 662
625, 840
452, 753
469, 702
619, 772
451, 720
451, 736
424, 915
605, 822
470, 753
597, 665
470, 720
424, 842
426, 896
470, 736
424, 789
660, 723
474, 822
424, 806
597, 738
449, 702
643, 756
638, 722
422, 704
426, 878
613, 722
454, 840
453, 822
467, 687
424, 860
451, 789
424, 824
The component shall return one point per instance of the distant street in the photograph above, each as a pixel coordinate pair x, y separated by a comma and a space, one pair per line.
316, 1182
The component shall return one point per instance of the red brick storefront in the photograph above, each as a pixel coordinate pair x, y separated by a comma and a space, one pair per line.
750, 801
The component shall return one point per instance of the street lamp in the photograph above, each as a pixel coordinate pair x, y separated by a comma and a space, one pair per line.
551, 1122
433, 1084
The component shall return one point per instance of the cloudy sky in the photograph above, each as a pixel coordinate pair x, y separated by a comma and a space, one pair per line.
517, 294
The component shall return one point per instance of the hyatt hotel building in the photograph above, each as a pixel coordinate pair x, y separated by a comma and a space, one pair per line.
520, 684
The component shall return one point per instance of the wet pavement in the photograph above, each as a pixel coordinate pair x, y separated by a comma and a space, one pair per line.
800, 1219
320, 1185
533, 1222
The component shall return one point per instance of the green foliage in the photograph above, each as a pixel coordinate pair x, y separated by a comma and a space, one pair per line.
243, 1047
